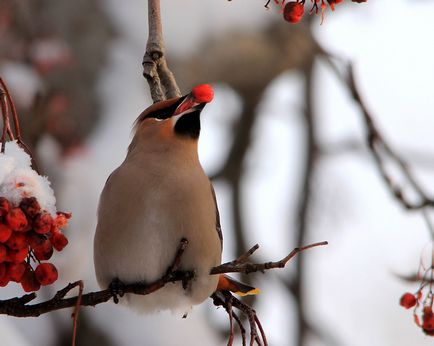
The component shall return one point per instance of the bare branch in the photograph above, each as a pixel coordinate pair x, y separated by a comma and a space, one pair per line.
18, 306
248, 267
161, 81
379, 147
228, 301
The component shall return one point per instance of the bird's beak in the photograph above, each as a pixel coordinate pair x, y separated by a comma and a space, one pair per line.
188, 103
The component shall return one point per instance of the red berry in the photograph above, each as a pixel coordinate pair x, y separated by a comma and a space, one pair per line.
44, 251
29, 281
5, 232
35, 240
17, 241
428, 321
203, 93
30, 206
17, 256
293, 12
332, 3
46, 273
408, 300
16, 271
59, 241
4, 277
61, 219
42, 223
3, 253
3, 270
16, 219
5, 206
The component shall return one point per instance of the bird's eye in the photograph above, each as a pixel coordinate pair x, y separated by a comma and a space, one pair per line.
160, 119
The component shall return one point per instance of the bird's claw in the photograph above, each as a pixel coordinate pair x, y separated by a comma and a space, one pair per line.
116, 288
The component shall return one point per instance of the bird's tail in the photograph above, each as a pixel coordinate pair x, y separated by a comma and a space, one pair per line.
226, 283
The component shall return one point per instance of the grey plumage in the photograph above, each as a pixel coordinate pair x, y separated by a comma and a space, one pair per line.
157, 196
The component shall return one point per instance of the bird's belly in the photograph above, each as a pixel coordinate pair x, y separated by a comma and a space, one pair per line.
144, 250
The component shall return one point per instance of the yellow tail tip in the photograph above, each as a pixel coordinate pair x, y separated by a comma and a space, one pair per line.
249, 293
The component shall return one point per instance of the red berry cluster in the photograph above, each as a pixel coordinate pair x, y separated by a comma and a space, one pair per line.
423, 307
29, 234
293, 11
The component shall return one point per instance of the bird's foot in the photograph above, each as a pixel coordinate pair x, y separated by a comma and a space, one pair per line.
116, 288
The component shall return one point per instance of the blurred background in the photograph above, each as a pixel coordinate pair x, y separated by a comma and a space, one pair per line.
283, 141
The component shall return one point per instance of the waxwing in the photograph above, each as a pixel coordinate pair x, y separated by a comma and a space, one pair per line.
157, 196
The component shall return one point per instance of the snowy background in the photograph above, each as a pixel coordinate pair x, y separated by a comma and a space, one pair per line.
353, 286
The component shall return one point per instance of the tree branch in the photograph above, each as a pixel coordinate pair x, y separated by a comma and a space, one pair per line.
161, 81
240, 265
378, 145
18, 307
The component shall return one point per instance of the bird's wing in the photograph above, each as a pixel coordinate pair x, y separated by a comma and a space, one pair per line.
217, 217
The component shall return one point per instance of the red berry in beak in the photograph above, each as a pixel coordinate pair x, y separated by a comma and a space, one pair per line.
203, 93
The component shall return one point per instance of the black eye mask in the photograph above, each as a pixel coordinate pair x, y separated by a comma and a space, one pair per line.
165, 113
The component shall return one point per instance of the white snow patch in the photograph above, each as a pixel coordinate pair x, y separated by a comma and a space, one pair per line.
18, 180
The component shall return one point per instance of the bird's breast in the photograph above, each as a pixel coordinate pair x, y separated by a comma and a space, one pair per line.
144, 212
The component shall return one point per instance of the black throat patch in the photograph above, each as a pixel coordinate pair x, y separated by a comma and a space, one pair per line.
189, 125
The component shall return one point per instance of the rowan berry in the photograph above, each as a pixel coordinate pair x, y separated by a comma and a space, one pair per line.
3, 253
5, 232
293, 12
408, 300
30, 206
4, 277
17, 256
16, 219
428, 321
42, 223
29, 283
203, 93
44, 251
16, 271
46, 273
58, 240
35, 240
5, 206
17, 241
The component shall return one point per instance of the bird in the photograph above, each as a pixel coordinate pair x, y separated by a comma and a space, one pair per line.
159, 195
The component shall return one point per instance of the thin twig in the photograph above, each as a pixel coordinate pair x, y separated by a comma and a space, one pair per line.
242, 329
76, 310
378, 145
228, 301
248, 268
4, 94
